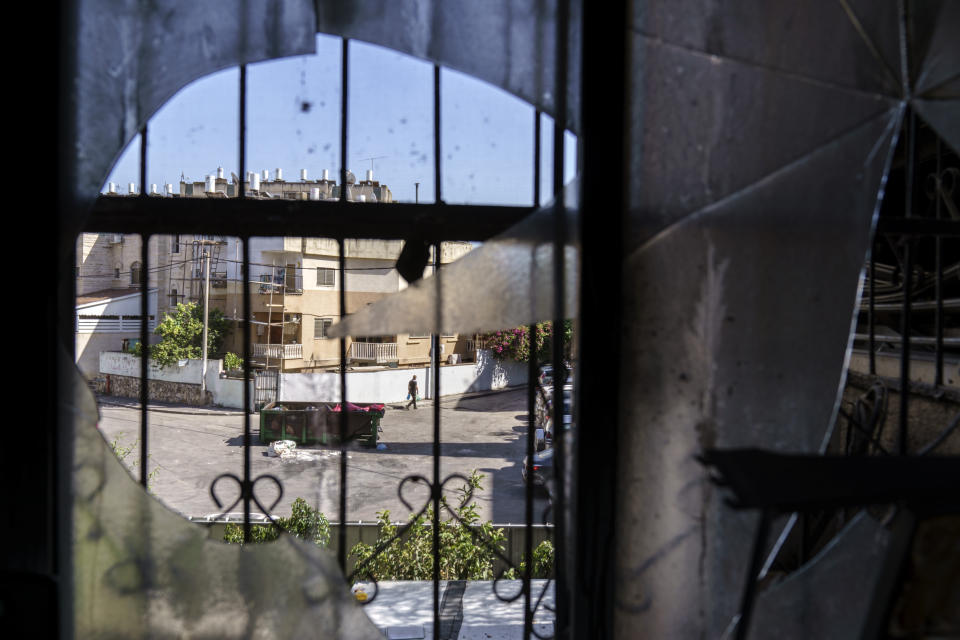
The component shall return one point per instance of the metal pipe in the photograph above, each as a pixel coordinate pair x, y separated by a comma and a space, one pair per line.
144, 322
532, 384
344, 114
938, 373
342, 546
756, 558
918, 340
870, 316
437, 191
905, 327
435, 368
246, 387
559, 372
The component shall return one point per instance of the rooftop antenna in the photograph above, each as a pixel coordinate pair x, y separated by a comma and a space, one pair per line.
372, 158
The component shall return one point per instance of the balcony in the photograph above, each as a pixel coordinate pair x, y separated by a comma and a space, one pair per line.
279, 285
373, 352
278, 351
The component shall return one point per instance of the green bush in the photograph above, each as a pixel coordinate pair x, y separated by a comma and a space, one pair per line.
181, 334
410, 557
305, 522
232, 362
542, 563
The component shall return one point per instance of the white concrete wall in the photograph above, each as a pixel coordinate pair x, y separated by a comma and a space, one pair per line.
226, 392
125, 364
89, 346
390, 385
385, 385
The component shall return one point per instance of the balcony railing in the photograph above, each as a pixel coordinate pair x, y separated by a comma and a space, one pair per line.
373, 352
111, 324
279, 285
278, 351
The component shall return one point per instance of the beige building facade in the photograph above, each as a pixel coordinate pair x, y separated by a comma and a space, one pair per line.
294, 282
295, 298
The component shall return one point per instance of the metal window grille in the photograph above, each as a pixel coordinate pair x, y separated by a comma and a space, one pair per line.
910, 290
341, 220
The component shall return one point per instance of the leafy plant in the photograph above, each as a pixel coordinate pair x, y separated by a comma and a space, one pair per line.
410, 557
181, 334
305, 522
122, 452
232, 362
542, 563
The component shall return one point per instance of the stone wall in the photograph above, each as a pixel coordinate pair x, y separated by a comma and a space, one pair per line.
159, 390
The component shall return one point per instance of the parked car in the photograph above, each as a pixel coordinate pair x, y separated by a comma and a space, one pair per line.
567, 414
541, 471
545, 377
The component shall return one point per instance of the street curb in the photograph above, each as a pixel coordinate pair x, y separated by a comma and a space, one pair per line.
183, 409
194, 410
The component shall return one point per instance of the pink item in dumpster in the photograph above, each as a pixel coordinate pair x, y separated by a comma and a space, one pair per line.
353, 407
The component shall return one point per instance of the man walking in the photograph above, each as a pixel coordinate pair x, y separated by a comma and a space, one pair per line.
412, 390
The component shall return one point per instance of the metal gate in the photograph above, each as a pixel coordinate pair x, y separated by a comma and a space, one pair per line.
265, 387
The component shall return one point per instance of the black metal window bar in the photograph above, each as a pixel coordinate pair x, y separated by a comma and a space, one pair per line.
435, 222
912, 280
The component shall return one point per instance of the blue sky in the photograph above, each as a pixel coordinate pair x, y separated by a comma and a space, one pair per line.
293, 122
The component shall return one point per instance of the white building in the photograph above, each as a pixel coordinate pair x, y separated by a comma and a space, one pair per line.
109, 320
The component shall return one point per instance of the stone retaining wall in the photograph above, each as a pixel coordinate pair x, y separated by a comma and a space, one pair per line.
158, 390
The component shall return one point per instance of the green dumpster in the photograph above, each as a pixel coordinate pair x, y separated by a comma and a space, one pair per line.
309, 423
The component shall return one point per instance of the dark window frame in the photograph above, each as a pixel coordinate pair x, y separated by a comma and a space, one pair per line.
322, 277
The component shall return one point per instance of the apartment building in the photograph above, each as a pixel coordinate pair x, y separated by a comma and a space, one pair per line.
294, 282
295, 299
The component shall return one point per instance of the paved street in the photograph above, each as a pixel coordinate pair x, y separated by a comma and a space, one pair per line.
189, 447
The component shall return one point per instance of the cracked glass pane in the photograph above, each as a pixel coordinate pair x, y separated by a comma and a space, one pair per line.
721, 125
132, 69
944, 117
487, 147
777, 37
190, 139
830, 596
744, 367
505, 283
935, 56
390, 140
506, 43
293, 125
142, 570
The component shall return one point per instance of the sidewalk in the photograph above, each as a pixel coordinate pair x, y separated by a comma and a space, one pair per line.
171, 407
167, 407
